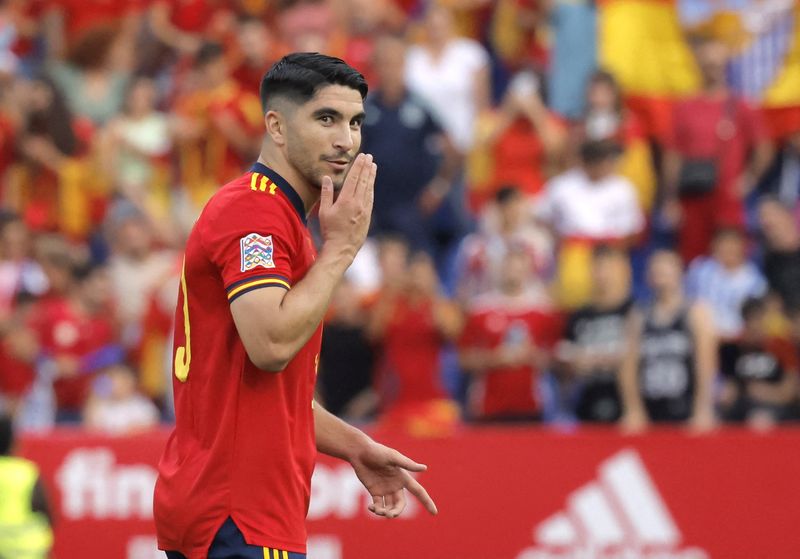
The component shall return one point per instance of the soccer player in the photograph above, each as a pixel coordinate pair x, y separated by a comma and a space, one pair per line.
234, 480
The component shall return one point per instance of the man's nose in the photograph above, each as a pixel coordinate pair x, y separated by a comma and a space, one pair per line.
344, 140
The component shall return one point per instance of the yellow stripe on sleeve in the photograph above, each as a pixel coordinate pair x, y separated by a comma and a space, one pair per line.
266, 553
268, 281
253, 181
275, 554
285, 554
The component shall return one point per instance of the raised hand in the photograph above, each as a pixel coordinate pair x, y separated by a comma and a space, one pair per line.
345, 221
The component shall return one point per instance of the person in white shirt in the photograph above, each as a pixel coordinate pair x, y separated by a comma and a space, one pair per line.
585, 207
116, 407
592, 201
451, 75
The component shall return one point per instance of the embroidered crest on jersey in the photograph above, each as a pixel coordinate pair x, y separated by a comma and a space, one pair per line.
256, 251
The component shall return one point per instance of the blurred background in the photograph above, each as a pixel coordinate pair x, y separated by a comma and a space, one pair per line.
586, 214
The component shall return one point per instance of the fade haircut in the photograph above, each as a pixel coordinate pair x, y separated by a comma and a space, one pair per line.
298, 76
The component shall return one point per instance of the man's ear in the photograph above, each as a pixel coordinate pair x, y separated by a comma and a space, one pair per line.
275, 123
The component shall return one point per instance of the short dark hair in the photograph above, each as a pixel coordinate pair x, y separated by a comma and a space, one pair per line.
506, 193
607, 250
6, 434
298, 76
726, 231
596, 151
208, 53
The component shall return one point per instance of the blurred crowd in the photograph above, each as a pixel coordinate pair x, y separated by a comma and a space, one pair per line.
539, 251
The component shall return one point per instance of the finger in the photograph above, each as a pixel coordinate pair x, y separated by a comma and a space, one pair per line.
353, 175
377, 507
396, 503
407, 463
369, 189
419, 492
326, 196
360, 183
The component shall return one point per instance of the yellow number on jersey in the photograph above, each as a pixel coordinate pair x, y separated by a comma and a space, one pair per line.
183, 355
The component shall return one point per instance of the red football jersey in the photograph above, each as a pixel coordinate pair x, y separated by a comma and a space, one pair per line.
497, 320
243, 444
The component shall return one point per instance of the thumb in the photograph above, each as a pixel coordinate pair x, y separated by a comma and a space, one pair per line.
326, 197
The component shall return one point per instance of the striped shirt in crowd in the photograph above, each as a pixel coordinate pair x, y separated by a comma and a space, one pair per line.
724, 290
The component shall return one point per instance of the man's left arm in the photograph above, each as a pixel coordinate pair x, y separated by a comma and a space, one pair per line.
383, 471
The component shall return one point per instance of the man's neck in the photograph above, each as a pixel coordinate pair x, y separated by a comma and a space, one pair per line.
308, 194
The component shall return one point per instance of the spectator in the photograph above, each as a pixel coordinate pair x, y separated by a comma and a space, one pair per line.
25, 514
480, 258
451, 75
591, 354
506, 346
346, 358
760, 372
19, 272
782, 179
781, 251
116, 407
668, 371
19, 350
76, 331
412, 322
92, 85
256, 53
398, 128
138, 143
220, 126
706, 169
516, 144
136, 267
573, 56
49, 142
181, 25
587, 206
725, 280
606, 118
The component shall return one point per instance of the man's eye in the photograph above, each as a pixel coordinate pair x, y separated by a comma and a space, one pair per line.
326, 119
356, 124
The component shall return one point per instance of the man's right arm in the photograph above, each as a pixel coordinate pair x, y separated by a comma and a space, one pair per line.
274, 324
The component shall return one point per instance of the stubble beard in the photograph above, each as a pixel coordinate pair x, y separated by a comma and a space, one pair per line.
311, 171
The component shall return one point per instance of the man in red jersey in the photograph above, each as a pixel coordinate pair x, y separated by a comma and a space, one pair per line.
234, 480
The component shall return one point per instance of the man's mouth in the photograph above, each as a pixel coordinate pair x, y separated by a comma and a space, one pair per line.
338, 164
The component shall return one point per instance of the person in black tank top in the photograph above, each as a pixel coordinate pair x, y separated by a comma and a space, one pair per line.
671, 361
666, 365
593, 346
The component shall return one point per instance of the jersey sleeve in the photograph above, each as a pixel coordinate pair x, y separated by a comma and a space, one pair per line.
250, 240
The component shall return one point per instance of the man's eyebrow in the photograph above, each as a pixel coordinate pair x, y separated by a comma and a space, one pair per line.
360, 116
327, 111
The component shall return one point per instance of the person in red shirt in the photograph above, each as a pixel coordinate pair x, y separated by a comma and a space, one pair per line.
714, 126
506, 343
413, 322
235, 477
73, 329
221, 126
